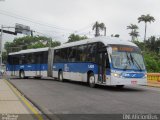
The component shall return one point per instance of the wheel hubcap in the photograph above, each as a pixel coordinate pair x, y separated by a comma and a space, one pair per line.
60, 77
22, 75
91, 79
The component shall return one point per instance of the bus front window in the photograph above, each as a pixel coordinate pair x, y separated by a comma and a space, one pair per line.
127, 60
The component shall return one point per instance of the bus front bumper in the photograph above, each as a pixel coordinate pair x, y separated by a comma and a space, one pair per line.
128, 81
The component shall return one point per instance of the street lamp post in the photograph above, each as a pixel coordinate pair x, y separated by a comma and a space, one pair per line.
1, 45
1, 41
19, 28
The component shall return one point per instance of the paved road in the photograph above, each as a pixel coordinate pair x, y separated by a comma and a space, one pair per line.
77, 98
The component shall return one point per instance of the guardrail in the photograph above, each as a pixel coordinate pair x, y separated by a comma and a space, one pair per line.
153, 78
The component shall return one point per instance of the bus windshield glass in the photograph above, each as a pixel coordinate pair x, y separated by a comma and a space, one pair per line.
127, 58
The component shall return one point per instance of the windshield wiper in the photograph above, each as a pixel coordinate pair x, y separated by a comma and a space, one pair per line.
128, 61
134, 61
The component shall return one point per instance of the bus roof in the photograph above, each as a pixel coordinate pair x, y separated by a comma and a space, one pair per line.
30, 51
106, 40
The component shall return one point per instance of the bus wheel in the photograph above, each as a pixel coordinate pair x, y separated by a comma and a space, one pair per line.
91, 80
60, 76
119, 86
21, 74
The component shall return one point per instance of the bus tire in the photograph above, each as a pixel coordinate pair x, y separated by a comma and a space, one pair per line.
22, 74
37, 77
60, 76
120, 86
91, 80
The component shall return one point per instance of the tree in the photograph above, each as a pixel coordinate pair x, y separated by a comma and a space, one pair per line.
140, 44
73, 37
4, 57
153, 44
152, 62
134, 34
97, 27
116, 35
29, 42
145, 19
151, 53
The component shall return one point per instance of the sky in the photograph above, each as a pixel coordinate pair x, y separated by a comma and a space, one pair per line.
59, 18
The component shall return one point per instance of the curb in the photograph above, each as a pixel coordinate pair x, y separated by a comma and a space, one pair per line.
24, 100
48, 116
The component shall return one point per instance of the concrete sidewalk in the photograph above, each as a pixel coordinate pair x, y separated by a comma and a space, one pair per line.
12, 102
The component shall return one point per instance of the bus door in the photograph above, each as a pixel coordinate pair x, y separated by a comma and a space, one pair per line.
102, 66
38, 64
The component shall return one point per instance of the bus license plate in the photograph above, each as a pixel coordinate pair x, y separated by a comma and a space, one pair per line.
134, 82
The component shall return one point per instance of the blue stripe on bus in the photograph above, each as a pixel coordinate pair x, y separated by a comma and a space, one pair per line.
72, 67
27, 67
77, 67
133, 75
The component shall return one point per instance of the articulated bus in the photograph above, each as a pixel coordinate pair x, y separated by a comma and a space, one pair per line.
100, 60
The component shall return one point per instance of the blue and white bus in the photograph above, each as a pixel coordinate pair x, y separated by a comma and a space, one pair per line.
28, 63
100, 60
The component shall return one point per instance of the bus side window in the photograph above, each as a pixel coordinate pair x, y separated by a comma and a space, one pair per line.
44, 57
15, 60
10, 60
29, 58
23, 59
39, 57
20, 60
72, 54
56, 55
33, 58
81, 53
64, 55
91, 52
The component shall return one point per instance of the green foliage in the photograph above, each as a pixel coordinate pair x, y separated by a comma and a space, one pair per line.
151, 52
146, 18
55, 43
116, 35
4, 57
134, 34
153, 44
152, 62
97, 27
132, 27
73, 38
29, 42
140, 44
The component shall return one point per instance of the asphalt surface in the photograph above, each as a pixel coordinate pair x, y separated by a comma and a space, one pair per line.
77, 98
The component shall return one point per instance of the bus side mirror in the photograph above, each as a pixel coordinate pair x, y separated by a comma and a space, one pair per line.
109, 49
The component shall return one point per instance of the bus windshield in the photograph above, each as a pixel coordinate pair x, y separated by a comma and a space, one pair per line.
127, 58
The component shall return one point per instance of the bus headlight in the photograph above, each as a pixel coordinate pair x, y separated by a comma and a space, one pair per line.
145, 76
115, 74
